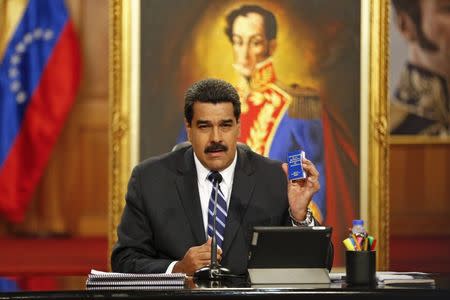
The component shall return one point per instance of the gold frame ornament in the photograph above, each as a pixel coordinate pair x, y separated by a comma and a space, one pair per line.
124, 115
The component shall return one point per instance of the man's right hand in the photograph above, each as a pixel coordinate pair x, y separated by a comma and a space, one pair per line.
195, 258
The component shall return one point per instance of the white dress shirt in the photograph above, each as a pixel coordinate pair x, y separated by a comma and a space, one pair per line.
205, 187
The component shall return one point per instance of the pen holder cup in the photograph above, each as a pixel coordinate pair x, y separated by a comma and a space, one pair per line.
360, 267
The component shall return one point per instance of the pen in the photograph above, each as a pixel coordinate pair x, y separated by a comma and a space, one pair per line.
372, 247
358, 248
360, 241
366, 244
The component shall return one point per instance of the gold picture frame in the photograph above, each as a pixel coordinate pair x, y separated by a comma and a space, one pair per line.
124, 114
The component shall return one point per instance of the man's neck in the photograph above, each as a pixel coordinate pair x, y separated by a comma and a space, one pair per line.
262, 75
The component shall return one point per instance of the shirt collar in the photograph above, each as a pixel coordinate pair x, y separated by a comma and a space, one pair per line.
227, 174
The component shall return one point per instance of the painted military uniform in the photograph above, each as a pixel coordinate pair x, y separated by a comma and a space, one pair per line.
421, 103
276, 119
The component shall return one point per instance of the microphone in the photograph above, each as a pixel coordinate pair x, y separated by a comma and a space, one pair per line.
214, 271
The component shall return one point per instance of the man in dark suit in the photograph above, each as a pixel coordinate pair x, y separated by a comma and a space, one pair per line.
165, 222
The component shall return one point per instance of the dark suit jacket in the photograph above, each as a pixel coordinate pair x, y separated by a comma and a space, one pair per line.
162, 218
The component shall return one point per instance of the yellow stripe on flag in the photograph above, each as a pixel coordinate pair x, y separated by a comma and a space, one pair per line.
11, 12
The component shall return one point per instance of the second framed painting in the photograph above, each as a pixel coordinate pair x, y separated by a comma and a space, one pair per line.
419, 72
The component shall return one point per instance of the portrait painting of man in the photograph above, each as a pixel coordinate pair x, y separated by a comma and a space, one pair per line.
296, 67
420, 103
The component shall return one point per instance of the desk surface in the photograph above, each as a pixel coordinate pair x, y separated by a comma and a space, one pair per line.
241, 290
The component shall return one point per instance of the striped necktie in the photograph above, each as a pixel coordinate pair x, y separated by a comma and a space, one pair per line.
221, 219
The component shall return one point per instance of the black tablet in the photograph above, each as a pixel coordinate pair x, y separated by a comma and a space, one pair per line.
289, 247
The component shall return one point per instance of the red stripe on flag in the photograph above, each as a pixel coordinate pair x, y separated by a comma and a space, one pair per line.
42, 124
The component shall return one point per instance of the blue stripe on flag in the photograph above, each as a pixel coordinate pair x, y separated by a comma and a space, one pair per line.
25, 59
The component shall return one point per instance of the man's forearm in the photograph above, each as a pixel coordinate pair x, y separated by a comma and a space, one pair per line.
130, 261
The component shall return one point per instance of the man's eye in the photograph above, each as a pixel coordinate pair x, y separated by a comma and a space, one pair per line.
256, 43
236, 40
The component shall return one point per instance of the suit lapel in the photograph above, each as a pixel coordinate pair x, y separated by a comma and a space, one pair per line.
243, 185
187, 187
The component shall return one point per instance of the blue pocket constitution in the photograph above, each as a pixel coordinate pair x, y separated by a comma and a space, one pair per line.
295, 167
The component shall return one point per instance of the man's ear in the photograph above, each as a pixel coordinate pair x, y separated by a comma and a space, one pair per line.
239, 128
188, 129
406, 26
272, 46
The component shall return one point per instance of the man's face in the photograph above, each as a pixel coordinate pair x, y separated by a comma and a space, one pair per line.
214, 132
436, 28
250, 43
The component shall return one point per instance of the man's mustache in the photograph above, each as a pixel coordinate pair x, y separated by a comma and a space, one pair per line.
214, 147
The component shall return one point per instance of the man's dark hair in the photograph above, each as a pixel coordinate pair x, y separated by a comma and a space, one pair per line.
211, 91
413, 10
270, 22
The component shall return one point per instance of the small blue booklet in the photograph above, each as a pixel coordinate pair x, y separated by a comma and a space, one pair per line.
295, 167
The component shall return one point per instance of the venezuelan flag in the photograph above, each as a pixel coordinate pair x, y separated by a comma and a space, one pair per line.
39, 77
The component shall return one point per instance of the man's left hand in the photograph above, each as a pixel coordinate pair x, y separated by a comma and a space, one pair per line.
300, 192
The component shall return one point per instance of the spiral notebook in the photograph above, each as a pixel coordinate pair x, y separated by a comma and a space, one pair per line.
110, 280
136, 287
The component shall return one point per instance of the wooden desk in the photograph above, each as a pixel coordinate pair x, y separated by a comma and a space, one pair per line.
244, 291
